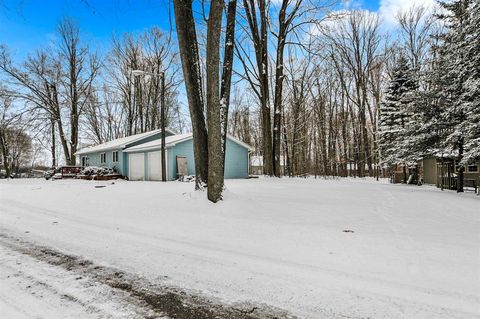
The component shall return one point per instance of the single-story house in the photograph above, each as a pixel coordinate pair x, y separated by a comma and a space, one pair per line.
436, 171
138, 157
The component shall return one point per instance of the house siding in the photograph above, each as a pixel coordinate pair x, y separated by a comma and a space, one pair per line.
430, 170
181, 149
236, 160
94, 160
122, 165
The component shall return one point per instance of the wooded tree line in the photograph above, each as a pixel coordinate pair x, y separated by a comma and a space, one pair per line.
316, 90
67, 91
347, 75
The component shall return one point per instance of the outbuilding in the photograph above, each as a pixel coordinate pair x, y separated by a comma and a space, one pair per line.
138, 157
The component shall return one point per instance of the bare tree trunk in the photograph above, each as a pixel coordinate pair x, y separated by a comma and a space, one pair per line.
214, 123
260, 43
227, 72
5, 152
54, 146
278, 98
187, 41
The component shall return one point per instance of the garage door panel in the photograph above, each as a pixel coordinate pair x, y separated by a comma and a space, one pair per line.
154, 166
136, 166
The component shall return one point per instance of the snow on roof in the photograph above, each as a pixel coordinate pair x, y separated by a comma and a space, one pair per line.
173, 140
119, 142
169, 141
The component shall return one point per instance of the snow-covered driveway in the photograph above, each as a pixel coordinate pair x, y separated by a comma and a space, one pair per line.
409, 252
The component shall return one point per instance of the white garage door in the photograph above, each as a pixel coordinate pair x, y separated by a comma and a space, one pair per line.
136, 167
155, 166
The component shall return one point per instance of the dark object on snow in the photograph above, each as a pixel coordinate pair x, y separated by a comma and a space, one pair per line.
186, 178
100, 186
49, 174
348, 231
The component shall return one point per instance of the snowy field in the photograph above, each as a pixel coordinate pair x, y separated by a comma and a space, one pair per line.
315, 248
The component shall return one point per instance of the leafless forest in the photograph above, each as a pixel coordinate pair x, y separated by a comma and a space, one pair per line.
301, 81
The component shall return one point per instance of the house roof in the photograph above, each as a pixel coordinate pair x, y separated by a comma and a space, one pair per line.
173, 140
119, 143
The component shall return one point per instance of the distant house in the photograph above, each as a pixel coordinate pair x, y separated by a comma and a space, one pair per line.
256, 164
438, 171
138, 157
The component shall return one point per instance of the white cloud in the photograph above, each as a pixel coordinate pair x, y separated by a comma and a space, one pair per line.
389, 8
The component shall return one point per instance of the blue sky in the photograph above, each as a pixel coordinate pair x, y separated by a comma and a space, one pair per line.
26, 25
29, 24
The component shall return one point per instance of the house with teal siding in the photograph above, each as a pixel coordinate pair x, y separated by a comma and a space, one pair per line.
138, 157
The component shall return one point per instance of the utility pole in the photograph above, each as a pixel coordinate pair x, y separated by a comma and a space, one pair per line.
162, 115
162, 126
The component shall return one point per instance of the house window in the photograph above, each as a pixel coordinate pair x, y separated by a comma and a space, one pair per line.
472, 168
84, 161
103, 158
115, 156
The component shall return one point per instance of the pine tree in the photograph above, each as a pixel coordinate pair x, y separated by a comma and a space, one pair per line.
395, 114
454, 76
471, 96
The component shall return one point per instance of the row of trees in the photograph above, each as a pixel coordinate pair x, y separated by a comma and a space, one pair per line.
315, 91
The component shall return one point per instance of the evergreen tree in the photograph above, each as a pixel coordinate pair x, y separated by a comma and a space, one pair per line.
454, 75
395, 114
471, 96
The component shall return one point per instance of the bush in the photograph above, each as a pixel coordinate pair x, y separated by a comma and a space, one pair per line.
95, 170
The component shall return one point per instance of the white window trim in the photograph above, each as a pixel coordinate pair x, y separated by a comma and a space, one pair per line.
115, 156
84, 161
103, 158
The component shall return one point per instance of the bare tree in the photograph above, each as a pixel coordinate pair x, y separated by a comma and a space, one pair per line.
355, 50
80, 68
209, 149
56, 84
189, 54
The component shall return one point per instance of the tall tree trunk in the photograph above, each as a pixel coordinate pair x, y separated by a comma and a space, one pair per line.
278, 98
187, 41
5, 151
260, 42
214, 123
227, 73
54, 144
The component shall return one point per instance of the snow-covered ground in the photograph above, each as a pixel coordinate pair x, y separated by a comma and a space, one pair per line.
409, 252
33, 289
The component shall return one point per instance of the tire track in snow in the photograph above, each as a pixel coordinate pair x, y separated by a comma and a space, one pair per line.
147, 299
